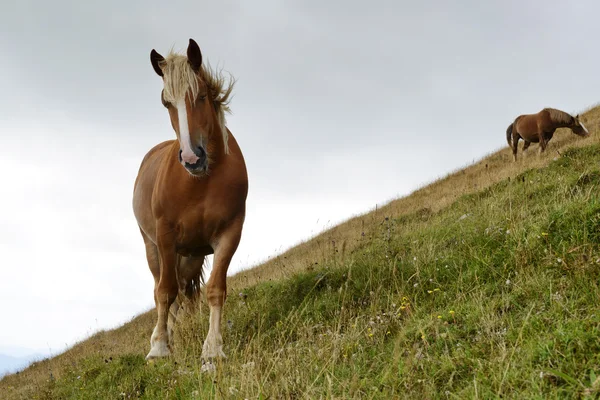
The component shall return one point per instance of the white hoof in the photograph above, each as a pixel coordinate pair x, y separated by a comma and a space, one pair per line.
158, 350
212, 349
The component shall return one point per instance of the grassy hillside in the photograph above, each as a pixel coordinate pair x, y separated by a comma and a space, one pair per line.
484, 284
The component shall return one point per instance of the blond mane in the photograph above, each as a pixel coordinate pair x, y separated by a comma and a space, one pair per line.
180, 79
558, 116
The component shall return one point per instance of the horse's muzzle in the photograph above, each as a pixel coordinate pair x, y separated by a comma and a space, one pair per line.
201, 165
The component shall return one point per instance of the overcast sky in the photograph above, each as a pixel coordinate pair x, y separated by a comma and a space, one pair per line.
339, 106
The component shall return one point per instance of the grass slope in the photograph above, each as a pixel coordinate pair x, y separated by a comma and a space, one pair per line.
484, 284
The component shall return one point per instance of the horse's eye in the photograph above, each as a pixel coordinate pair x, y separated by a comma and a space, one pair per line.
202, 98
162, 99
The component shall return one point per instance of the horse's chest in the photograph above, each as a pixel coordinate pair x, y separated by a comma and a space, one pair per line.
196, 228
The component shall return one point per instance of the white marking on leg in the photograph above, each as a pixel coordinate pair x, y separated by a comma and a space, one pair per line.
187, 154
154, 336
158, 346
159, 341
213, 345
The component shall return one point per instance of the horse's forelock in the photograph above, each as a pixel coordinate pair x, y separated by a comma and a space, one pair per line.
180, 79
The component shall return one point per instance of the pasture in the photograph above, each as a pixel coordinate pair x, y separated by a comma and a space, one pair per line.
483, 284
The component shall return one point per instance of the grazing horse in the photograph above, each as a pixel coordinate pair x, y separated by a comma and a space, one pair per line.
540, 128
190, 196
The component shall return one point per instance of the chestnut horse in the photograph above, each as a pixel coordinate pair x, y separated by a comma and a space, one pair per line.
190, 196
540, 127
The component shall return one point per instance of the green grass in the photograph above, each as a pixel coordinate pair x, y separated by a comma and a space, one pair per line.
495, 296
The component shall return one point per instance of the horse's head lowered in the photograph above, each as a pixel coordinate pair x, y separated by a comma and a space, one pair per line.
578, 128
197, 100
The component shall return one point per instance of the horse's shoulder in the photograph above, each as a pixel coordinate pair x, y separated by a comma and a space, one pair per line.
156, 149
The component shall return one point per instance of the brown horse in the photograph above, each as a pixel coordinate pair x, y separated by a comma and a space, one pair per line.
540, 127
190, 196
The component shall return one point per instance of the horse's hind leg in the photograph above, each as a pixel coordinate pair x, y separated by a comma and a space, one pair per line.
543, 144
172, 318
173, 310
515, 143
189, 275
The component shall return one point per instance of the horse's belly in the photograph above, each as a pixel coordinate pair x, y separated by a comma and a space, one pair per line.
194, 250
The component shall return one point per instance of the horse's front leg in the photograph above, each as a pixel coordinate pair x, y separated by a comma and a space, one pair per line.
216, 291
189, 271
543, 143
166, 290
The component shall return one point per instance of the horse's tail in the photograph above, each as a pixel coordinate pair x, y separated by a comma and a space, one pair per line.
194, 286
509, 133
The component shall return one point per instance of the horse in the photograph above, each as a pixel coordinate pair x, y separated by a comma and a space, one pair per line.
540, 127
189, 196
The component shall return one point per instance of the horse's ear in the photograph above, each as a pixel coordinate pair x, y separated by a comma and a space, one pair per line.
156, 59
194, 56
577, 116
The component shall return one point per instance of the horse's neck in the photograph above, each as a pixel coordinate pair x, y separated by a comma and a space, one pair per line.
564, 125
217, 145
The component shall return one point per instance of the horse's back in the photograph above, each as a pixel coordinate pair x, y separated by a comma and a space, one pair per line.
533, 119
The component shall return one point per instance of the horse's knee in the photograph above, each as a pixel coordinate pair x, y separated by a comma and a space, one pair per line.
166, 292
215, 295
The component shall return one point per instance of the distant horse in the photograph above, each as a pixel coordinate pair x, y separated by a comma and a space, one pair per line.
540, 128
190, 196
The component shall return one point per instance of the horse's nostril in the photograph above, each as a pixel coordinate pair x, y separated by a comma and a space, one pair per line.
180, 159
201, 152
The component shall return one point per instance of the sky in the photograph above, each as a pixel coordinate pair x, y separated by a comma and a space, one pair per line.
339, 106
